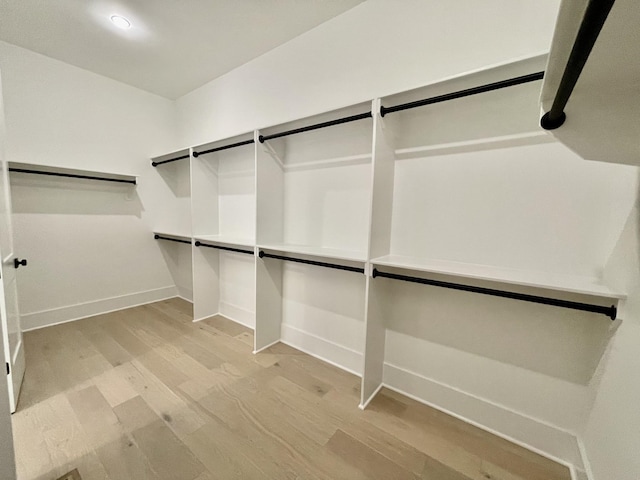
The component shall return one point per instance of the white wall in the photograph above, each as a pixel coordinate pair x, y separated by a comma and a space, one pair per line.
375, 49
88, 244
612, 434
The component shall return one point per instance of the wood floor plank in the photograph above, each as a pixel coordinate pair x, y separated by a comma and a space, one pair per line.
93, 411
123, 459
365, 459
147, 393
167, 455
162, 400
135, 414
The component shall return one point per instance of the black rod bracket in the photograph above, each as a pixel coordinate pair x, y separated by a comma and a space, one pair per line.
610, 312
220, 247
263, 254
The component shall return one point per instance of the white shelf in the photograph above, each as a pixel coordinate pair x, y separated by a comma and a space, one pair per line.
226, 240
320, 252
170, 156
551, 281
179, 236
602, 113
63, 171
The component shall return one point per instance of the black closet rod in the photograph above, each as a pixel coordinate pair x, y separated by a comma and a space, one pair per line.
71, 175
532, 77
262, 254
226, 147
160, 237
352, 118
229, 249
610, 312
592, 22
155, 164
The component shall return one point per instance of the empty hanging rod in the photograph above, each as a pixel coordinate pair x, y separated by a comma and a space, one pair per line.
262, 254
229, 249
178, 240
532, 77
226, 147
610, 312
71, 175
592, 22
155, 164
352, 118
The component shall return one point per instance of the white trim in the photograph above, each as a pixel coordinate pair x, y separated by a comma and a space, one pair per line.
321, 348
364, 405
550, 441
265, 347
585, 459
208, 316
57, 316
185, 299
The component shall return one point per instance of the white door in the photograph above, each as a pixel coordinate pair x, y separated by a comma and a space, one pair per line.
11, 332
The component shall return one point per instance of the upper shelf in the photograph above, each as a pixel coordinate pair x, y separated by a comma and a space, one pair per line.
32, 168
549, 281
183, 154
602, 121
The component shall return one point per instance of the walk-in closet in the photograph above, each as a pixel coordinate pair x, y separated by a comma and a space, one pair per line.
321, 240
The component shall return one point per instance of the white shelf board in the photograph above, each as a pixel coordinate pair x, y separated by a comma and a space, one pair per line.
168, 156
492, 143
551, 281
166, 233
320, 252
226, 240
71, 171
602, 113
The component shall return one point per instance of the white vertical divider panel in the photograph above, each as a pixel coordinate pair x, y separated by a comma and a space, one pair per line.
206, 282
204, 217
269, 229
382, 177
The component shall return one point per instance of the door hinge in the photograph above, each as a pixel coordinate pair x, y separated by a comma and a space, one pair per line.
8, 368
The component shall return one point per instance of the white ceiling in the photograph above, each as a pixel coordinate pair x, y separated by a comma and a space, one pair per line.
173, 46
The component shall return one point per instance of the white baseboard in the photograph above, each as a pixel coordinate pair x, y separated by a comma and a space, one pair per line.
238, 315
185, 293
533, 434
323, 349
55, 316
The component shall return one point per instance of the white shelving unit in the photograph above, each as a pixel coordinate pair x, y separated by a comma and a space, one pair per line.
459, 192
223, 205
313, 204
457, 198
175, 171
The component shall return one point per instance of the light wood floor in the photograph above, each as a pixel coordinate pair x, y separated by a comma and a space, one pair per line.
145, 393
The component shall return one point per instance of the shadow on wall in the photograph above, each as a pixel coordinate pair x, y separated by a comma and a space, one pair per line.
176, 176
557, 342
52, 195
